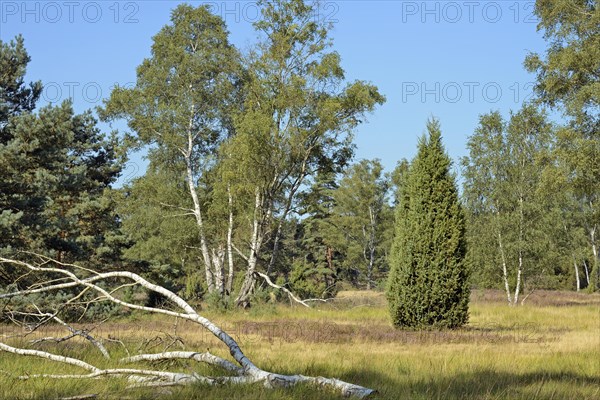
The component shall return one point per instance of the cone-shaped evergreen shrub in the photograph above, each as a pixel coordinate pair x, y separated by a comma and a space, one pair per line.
428, 281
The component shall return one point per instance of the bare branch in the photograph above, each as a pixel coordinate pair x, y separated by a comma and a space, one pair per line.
239, 252
81, 397
190, 210
75, 332
49, 356
187, 355
246, 372
268, 280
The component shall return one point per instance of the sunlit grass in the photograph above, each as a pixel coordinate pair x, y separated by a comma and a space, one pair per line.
538, 351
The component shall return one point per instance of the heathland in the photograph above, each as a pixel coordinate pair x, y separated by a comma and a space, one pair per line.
548, 348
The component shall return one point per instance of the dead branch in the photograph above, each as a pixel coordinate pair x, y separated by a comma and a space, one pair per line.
120, 342
286, 290
81, 397
187, 355
74, 333
247, 371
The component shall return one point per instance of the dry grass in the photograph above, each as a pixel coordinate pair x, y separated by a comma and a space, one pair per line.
547, 349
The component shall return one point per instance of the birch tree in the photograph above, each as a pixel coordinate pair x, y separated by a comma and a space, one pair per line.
247, 135
181, 107
502, 180
568, 79
298, 117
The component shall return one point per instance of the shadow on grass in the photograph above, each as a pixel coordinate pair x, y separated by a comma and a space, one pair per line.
481, 384
489, 384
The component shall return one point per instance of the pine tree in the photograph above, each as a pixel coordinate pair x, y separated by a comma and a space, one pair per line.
428, 281
56, 171
15, 97
312, 254
361, 217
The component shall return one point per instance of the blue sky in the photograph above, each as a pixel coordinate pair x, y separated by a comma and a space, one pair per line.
451, 59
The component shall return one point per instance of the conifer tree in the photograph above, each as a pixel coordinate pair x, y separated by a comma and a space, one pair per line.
428, 281
56, 172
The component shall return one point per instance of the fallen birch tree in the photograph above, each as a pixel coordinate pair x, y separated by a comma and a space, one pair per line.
55, 276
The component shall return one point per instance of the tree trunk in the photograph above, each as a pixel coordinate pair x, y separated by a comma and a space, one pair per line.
577, 281
504, 269
593, 279
373, 221
587, 273
329, 257
243, 297
229, 284
520, 269
518, 285
371, 262
276, 243
245, 372
197, 211
286, 211
218, 260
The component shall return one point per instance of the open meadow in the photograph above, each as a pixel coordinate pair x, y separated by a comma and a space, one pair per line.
547, 349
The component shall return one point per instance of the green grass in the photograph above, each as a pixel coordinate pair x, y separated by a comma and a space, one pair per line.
547, 349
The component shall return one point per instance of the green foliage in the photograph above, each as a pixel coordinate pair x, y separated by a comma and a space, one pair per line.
15, 97
428, 282
163, 241
216, 302
181, 108
513, 215
361, 222
298, 117
568, 80
567, 76
307, 264
308, 280
56, 200
398, 179
308, 257
255, 129
184, 86
57, 170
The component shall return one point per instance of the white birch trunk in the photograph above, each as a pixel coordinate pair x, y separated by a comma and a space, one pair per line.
504, 269
519, 278
276, 243
197, 211
593, 240
577, 281
218, 260
229, 284
520, 267
373, 221
256, 242
593, 279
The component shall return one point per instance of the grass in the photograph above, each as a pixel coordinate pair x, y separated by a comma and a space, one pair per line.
547, 349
